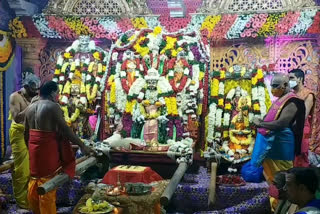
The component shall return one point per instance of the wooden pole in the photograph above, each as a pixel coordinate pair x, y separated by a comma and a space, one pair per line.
6, 166
212, 187
62, 178
80, 160
174, 181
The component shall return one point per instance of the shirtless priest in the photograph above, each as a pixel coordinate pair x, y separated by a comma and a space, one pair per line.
48, 137
19, 101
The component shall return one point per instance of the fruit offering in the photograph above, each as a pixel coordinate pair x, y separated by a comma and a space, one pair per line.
94, 207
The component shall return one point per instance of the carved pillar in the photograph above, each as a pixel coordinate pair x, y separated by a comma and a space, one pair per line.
31, 48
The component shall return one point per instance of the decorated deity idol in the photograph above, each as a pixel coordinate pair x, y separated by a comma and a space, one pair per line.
235, 101
130, 71
241, 141
178, 73
150, 108
79, 73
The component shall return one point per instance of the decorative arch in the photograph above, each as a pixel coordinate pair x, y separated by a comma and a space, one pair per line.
97, 7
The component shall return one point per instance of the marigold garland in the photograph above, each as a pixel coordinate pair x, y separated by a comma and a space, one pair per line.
149, 116
73, 117
209, 23
17, 28
77, 26
129, 106
139, 23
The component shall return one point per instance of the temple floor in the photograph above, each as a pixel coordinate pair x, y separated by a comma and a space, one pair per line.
191, 196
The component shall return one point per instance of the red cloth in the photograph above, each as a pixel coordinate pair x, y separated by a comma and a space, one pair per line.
46, 154
146, 176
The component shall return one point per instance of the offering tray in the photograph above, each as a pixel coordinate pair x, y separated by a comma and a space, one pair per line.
138, 188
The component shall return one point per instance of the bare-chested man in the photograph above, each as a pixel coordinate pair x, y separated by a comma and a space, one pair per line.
48, 137
19, 101
296, 83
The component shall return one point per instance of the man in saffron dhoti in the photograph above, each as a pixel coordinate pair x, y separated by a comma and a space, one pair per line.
297, 84
19, 101
50, 152
280, 133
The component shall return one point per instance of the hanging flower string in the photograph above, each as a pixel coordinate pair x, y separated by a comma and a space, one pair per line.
238, 27
304, 22
209, 24
287, 22
227, 26
58, 24
254, 25
268, 28
221, 29
139, 23
315, 29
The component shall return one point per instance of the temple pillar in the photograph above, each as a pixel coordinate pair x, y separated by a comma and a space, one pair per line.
31, 48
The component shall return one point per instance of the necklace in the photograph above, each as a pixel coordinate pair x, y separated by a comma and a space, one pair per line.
24, 98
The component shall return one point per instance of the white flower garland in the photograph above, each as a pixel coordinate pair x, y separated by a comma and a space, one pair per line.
262, 101
211, 122
121, 96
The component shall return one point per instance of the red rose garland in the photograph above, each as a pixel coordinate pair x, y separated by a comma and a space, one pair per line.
124, 66
184, 79
183, 83
125, 86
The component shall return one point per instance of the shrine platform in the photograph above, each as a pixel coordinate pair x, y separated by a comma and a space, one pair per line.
191, 196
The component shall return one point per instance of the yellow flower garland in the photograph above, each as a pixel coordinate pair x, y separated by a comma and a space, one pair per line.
149, 116
170, 44
199, 110
64, 67
17, 28
210, 22
157, 30
228, 106
129, 106
57, 72
171, 104
75, 24
91, 95
238, 142
73, 117
112, 84
259, 74
67, 88
139, 23
141, 50
214, 87
168, 105
268, 28
113, 93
